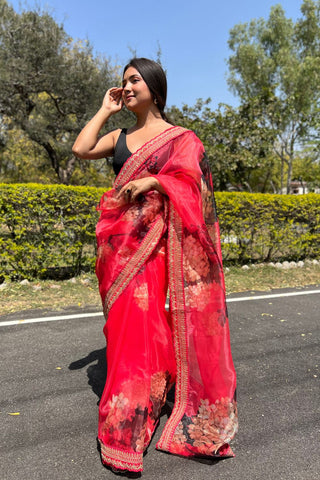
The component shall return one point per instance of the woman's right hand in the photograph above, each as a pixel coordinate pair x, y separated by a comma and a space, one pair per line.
88, 143
113, 101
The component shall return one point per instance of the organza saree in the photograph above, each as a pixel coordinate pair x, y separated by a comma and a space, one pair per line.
159, 243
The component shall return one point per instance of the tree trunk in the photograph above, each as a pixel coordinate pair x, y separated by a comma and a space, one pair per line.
267, 179
289, 175
65, 174
282, 174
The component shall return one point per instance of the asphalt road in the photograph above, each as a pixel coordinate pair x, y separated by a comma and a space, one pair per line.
52, 374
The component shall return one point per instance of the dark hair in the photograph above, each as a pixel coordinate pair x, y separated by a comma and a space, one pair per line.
154, 76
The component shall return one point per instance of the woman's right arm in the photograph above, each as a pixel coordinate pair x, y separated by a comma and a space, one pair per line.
88, 143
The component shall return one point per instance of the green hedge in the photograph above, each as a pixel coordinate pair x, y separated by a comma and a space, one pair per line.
259, 227
49, 230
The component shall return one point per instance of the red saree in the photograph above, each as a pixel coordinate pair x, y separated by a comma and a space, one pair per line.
159, 242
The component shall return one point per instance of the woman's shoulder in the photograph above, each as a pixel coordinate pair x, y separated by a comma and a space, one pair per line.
190, 134
115, 134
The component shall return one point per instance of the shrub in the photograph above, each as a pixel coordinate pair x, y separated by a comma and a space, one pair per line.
49, 230
266, 227
46, 228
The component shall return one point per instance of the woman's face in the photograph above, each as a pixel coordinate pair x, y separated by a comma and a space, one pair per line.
136, 94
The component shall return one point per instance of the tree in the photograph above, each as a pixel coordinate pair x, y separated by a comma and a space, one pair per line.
276, 64
307, 169
22, 160
236, 143
50, 86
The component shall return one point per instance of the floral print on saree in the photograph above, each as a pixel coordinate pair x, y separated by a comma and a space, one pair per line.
165, 241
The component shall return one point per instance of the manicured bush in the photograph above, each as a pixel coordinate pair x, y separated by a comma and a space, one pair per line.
49, 230
264, 227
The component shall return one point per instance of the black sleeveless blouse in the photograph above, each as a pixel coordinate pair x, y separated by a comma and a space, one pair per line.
121, 152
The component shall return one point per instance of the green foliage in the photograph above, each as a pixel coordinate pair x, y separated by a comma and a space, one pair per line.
265, 227
45, 227
23, 160
236, 143
50, 86
307, 168
49, 230
276, 64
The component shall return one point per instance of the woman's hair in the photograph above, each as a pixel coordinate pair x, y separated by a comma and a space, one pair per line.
154, 76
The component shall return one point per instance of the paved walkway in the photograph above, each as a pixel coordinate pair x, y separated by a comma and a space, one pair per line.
52, 374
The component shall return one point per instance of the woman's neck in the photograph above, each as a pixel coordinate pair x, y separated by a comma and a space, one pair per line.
148, 119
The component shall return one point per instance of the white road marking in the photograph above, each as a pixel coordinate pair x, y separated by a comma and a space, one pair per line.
100, 314
272, 295
50, 319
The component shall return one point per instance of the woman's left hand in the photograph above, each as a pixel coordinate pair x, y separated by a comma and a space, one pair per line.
133, 189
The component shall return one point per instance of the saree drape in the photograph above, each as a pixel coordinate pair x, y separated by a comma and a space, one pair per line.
157, 243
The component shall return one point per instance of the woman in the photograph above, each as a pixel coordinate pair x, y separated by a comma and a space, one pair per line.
158, 230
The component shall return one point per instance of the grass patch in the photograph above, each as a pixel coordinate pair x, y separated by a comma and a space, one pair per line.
83, 292
264, 277
50, 295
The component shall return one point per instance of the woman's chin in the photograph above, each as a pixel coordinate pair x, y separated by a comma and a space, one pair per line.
130, 107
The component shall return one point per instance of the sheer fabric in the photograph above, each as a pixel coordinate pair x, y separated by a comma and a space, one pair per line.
159, 242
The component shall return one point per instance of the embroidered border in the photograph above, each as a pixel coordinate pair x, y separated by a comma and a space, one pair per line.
135, 263
139, 157
121, 459
176, 285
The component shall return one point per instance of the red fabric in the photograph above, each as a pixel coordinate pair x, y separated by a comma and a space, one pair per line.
160, 241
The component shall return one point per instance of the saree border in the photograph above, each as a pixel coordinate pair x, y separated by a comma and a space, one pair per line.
120, 459
178, 312
135, 263
140, 156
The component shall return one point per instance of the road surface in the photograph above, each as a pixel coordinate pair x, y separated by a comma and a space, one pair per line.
52, 374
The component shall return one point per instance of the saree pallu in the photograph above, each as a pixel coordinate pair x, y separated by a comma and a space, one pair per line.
162, 242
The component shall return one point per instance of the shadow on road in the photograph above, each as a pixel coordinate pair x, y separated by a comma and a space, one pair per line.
96, 373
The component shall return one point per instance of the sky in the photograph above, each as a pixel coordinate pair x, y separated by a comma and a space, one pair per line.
192, 35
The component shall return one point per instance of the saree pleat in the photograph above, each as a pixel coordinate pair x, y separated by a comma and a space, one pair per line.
141, 366
160, 242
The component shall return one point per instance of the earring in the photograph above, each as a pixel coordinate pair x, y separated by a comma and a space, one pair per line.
155, 101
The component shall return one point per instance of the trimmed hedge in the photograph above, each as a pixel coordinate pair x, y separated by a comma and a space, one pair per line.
259, 227
49, 230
